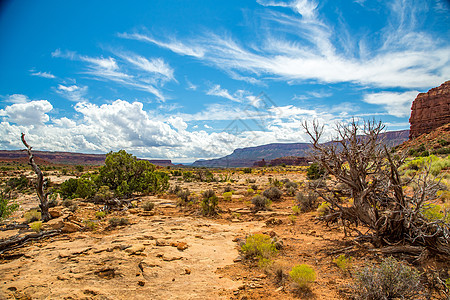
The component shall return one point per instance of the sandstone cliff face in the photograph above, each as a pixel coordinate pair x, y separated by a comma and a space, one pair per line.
430, 110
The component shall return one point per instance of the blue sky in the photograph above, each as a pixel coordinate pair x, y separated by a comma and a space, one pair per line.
185, 80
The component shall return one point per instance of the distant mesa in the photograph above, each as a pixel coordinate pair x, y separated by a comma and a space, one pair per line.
247, 157
66, 158
430, 110
287, 160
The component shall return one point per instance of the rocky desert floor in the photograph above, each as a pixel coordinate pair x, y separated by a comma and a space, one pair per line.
174, 253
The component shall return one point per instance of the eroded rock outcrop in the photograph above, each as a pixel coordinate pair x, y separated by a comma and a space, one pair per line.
430, 110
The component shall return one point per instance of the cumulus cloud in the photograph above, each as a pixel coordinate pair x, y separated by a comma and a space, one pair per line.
33, 113
396, 104
17, 98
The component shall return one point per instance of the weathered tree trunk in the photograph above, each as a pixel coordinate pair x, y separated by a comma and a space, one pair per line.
39, 184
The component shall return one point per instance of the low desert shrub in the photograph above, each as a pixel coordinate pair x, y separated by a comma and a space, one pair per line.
100, 214
291, 184
273, 193
148, 206
390, 280
115, 221
296, 210
314, 172
250, 191
227, 189
247, 170
306, 202
32, 215
6, 208
184, 197
343, 262
36, 226
302, 275
90, 225
209, 203
259, 246
260, 203
323, 208
227, 196
293, 218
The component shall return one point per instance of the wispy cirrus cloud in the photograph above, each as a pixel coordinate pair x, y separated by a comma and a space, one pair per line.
218, 91
42, 74
173, 45
397, 60
108, 68
396, 104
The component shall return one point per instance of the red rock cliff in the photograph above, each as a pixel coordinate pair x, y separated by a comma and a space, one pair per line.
430, 110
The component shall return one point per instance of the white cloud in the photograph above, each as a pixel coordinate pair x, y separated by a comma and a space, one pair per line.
17, 98
33, 113
190, 85
216, 90
396, 104
154, 65
173, 45
73, 92
395, 60
108, 69
43, 74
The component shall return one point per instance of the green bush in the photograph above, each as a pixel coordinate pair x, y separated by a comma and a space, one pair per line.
184, 197
390, 280
115, 221
259, 246
296, 210
247, 170
260, 203
36, 226
343, 262
323, 208
103, 193
273, 193
6, 208
315, 172
306, 202
227, 196
436, 212
302, 275
209, 203
100, 214
148, 206
32, 215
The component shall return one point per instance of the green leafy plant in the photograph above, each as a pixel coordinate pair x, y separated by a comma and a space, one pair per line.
303, 275
296, 210
323, 208
209, 203
260, 203
100, 214
315, 172
247, 170
32, 215
227, 196
261, 247
36, 226
292, 218
6, 208
343, 262
90, 224
390, 280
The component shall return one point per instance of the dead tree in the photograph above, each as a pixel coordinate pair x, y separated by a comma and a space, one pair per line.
361, 168
39, 183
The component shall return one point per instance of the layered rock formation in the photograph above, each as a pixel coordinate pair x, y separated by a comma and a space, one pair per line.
430, 110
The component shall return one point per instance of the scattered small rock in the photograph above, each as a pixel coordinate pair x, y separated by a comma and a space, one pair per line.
135, 249
70, 227
182, 246
274, 221
141, 283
